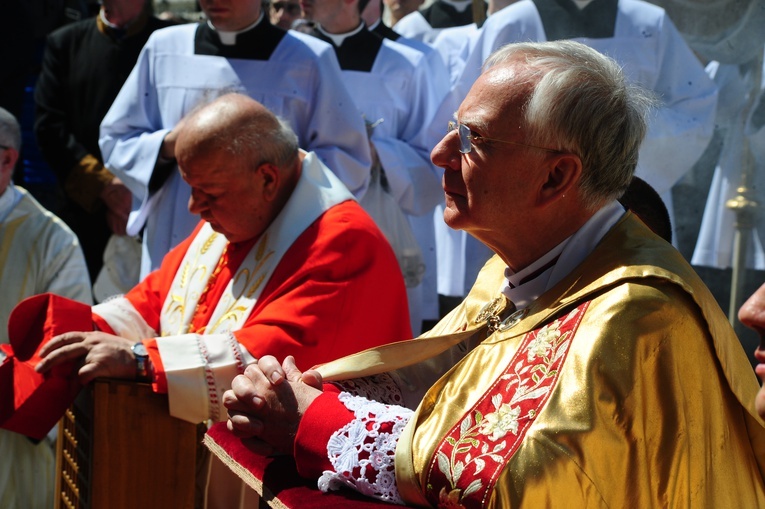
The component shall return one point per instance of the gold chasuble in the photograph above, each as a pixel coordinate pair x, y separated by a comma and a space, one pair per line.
622, 386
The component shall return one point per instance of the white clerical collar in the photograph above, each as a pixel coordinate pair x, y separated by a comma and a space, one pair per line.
581, 4
337, 39
525, 286
8, 201
374, 25
460, 5
229, 38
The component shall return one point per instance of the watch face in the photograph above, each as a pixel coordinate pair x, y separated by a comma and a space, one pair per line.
139, 350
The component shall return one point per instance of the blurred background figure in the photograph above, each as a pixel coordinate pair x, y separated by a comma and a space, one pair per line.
24, 26
641, 37
39, 254
394, 89
732, 233
425, 24
397, 9
84, 67
185, 66
283, 13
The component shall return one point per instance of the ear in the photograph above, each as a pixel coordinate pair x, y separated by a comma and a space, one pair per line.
8, 158
564, 172
271, 180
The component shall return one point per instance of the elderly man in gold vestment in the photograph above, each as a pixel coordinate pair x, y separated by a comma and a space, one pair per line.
588, 366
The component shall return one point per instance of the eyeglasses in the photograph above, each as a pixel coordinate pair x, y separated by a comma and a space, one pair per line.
291, 9
467, 139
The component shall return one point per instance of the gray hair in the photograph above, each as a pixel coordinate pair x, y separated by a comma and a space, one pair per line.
10, 130
276, 144
582, 103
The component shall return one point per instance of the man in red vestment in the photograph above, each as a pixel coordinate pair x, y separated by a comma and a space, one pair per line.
284, 262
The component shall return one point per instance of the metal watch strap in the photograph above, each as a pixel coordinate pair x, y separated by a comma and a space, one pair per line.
142, 362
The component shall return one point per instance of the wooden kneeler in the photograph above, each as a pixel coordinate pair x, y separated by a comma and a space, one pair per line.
119, 448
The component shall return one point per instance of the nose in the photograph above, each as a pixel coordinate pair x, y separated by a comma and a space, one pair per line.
446, 153
752, 312
197, 202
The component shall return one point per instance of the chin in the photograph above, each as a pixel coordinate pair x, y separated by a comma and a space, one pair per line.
217, 229
454, 219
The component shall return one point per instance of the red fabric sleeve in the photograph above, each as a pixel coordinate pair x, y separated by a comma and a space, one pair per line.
323, 417
102, 325
336, 291
159, 383
148, 296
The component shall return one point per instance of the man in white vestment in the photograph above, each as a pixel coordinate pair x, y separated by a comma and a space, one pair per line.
393, 89
237, 49
425, 24
741, 119
38, 253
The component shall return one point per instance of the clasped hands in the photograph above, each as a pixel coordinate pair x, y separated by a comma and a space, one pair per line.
266, 403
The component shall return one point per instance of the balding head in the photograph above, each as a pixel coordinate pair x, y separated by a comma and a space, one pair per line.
242, 127
241, 162
10, 144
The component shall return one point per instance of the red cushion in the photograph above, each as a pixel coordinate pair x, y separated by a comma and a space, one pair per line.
278, 476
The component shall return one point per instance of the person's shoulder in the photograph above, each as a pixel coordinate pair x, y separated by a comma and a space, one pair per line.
299, 41
515, 13
428, 11
454, 38
413, 25
348, 211
39, 222
405, 55
629, 257
154, 23
73, 31
418, 45
642, 10
173, 32
350, 218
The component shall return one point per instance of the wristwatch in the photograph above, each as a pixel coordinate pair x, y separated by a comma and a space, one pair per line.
141, 362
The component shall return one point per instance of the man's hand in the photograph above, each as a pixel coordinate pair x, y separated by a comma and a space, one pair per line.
266, 403
101, 354
118, 200
167, 150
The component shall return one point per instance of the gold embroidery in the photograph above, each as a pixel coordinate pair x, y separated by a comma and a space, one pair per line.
254, 287
234, 311
262, 247
206, 246
184, 275
175, 311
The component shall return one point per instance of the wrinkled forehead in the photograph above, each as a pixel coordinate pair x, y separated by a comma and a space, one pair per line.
498, 94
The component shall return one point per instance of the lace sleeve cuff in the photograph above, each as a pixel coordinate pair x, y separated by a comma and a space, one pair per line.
362, 452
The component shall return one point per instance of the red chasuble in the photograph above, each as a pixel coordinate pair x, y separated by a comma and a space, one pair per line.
337, 290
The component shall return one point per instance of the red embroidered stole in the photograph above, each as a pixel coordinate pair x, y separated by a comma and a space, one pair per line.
469, 459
